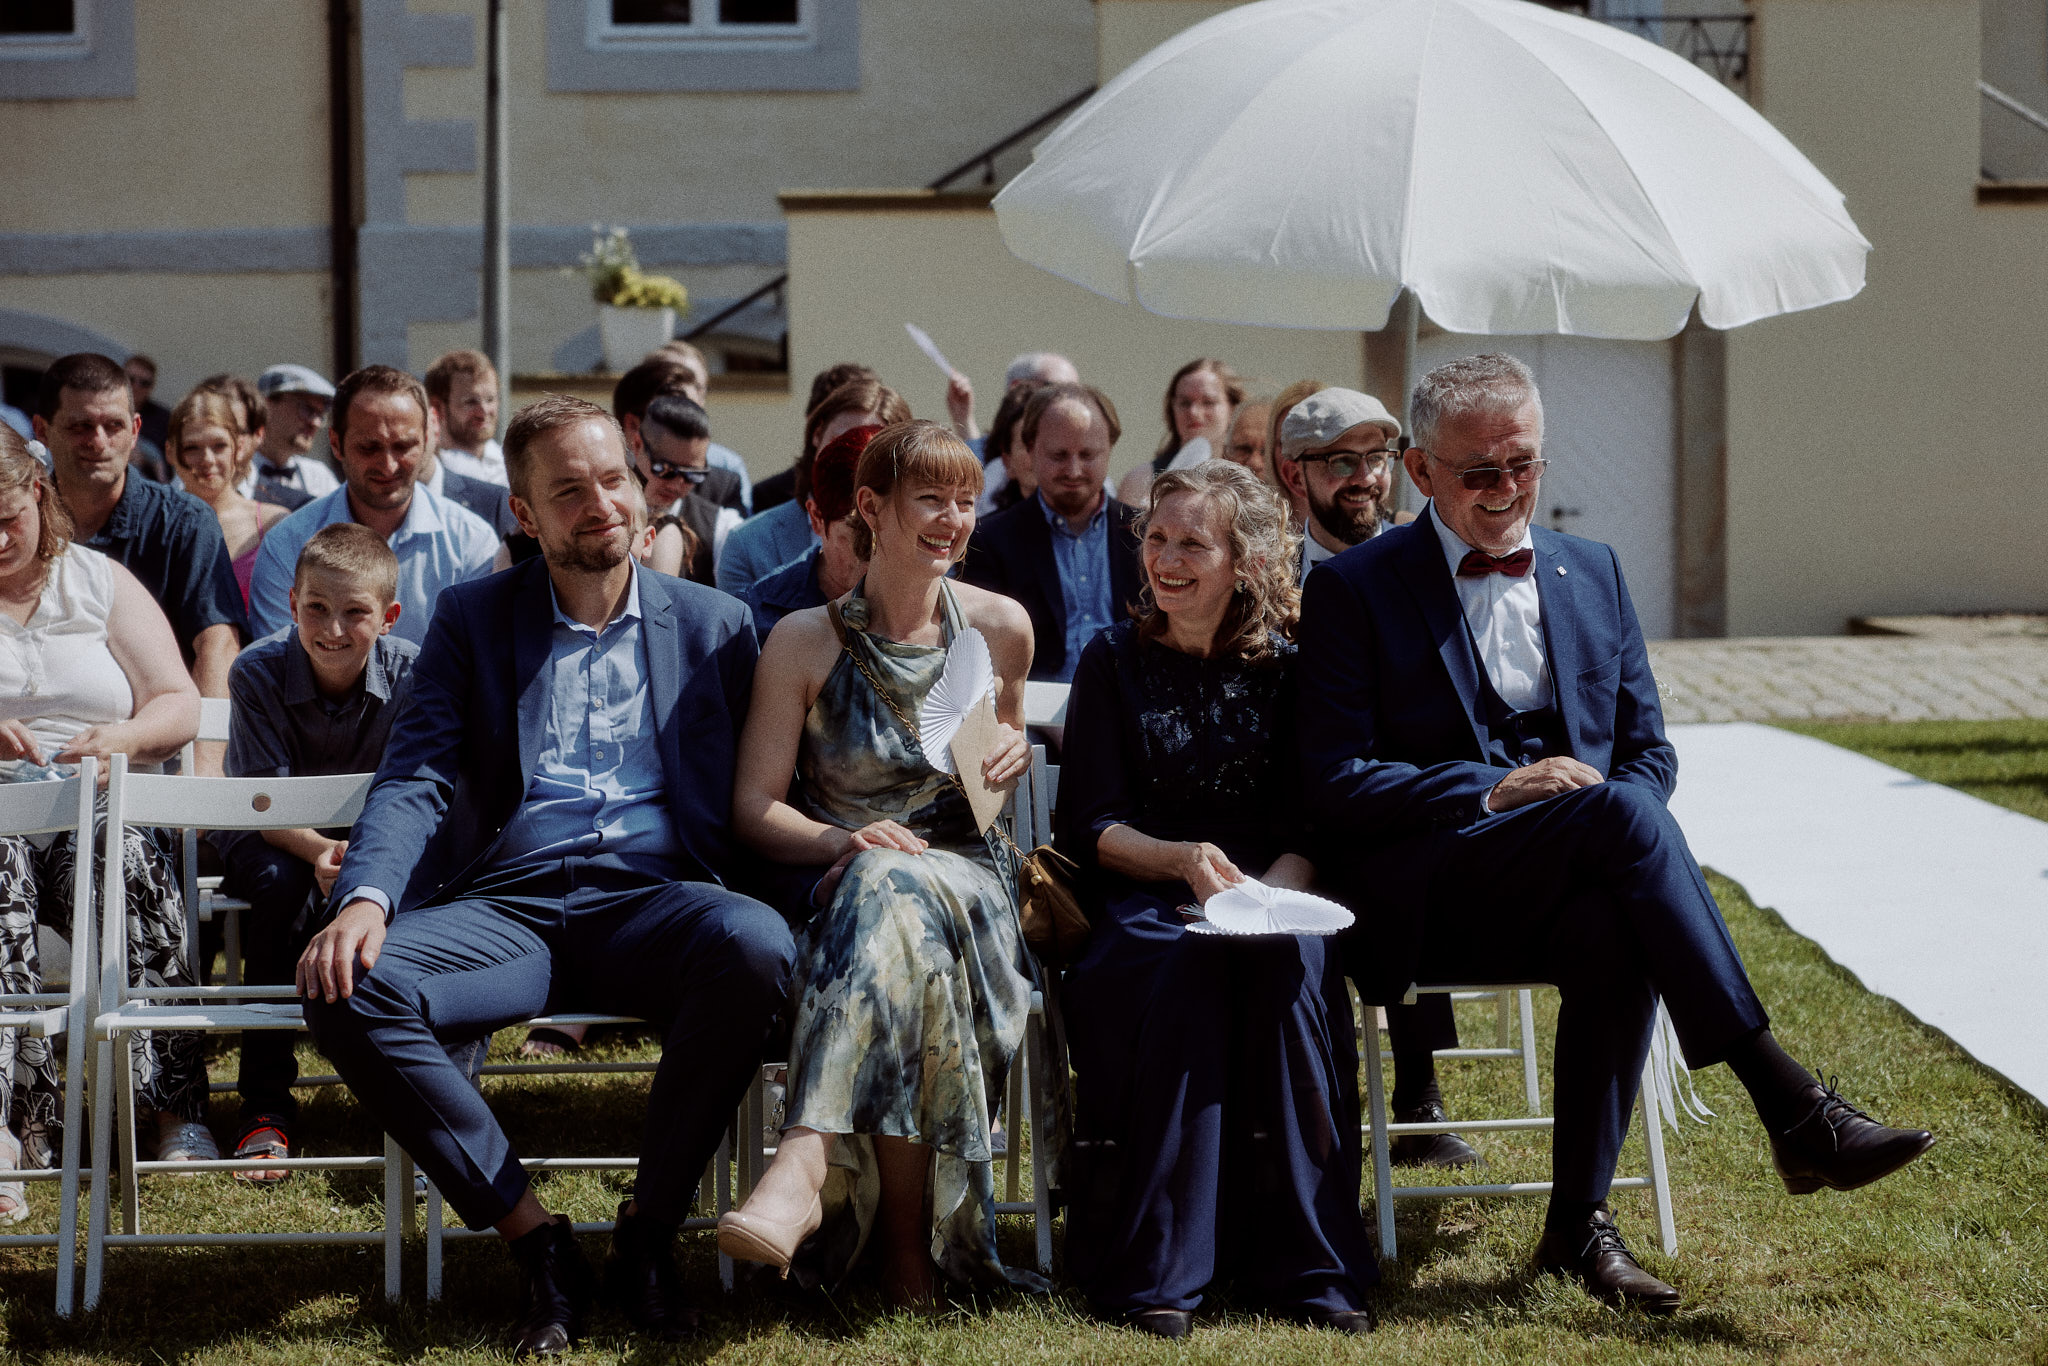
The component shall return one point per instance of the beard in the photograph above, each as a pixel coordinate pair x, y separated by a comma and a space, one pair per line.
1350, 526
587, 555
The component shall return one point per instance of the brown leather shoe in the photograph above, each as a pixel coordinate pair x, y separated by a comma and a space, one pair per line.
558, 1288
1595, 1254
1838, 1146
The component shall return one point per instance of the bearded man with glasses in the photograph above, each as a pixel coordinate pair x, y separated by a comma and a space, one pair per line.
1484, 753
1338, 453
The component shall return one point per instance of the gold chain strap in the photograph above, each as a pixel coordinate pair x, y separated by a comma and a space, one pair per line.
918, 740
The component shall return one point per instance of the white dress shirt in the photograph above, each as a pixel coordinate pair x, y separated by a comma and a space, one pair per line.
488, 465
1505, 615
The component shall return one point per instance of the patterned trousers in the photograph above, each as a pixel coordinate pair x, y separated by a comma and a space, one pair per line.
36, 885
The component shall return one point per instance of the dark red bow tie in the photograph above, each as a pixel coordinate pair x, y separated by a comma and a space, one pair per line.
1514, 564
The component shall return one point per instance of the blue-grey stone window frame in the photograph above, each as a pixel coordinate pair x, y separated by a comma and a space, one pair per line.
824, 56
97, 64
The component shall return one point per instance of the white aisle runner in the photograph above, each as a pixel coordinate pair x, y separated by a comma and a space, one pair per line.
1929, 896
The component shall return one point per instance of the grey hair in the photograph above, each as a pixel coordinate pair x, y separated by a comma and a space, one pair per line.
1492, 383
1032, 364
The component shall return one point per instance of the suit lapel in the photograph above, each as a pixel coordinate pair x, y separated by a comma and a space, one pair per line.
1046, 567
1429, 579
1560, 596
664, 681
533, 628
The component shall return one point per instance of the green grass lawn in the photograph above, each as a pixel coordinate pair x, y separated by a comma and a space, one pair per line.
1947, 1261
2001, 761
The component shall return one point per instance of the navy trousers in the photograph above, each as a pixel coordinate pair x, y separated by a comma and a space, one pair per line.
1596, 892
707, 967
1224, 1072
279, 889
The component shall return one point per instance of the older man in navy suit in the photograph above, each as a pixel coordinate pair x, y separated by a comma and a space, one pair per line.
1481, 737
547, 832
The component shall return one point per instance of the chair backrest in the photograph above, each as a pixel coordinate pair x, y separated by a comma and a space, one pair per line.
1045, 704
176, 801
214, 713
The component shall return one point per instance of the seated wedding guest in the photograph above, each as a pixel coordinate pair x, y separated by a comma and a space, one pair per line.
769, 540
252, 417
831, 568
662, 373
297, 400
149, 456
88, 666
1007, 479
211, 459
462, 386
675, 462
1067, 554
379, 434
696, 385
1338, 452
781, 488
1483, 751
1218, 1069
913, 982
490, 501
546, 833
315, 700
1247, 441
1283, 404
1200, 399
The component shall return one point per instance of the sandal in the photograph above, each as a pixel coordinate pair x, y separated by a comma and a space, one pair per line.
263, 1136
184, 1140
13, 1194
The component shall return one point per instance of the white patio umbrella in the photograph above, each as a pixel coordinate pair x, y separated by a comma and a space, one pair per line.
1297, 163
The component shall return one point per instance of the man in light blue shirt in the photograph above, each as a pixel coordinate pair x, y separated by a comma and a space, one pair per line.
379, 435
1083, 559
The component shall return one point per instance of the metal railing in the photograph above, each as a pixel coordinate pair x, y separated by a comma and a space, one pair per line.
984, 160
1716, 43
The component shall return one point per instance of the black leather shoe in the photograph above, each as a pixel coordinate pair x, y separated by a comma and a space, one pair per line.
1838, 1146
1429, 1150
1162, 1323
1595, 1254
557, 1287
1355, 1321
641, 1280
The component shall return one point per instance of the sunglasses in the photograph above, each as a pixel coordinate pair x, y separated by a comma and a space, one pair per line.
662, 469
1479, 478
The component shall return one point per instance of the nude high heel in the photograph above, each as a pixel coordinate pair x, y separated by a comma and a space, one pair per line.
750, 1238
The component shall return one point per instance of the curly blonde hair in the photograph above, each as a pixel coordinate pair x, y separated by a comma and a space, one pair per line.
1263, 548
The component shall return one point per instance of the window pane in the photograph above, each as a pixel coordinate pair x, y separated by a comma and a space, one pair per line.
38, 16
643, 11
757, 11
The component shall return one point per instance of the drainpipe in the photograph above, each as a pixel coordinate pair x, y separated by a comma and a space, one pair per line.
497, 263
341, 181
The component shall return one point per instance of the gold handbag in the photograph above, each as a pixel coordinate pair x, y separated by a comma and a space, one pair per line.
1048, 905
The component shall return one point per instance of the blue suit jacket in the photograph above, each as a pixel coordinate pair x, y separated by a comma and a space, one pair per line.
1393, 756
464, 750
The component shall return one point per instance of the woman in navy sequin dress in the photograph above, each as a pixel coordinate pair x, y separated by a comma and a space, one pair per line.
1217, 1077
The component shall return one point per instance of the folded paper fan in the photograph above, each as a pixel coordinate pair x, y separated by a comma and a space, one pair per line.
1251, 907
968, 678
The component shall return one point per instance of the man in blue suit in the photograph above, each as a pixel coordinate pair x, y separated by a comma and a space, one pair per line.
547, 832
1481, 738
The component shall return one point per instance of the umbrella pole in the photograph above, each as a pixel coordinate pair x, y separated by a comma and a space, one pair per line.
1403, 321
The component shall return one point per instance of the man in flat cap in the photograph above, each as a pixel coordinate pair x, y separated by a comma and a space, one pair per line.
298, 398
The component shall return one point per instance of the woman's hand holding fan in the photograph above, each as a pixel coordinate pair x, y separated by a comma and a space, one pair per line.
1253, 908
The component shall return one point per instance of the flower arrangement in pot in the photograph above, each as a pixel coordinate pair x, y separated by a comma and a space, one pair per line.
636, 312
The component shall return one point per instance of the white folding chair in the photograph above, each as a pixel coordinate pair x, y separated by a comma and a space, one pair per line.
1030, 814
203, 898
1380, 1133
179, 802
41, 808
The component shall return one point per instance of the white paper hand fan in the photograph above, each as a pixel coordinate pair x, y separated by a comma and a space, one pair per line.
969, 676
1251, 908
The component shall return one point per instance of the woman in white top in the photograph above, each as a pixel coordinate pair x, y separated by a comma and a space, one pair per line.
88, 666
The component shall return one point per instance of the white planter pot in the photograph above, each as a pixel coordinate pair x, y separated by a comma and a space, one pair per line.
628, 334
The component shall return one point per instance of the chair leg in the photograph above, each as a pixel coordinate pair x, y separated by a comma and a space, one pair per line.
1041, 1128
231, 937
1013, 1117
131, 1183
721, 1201
397, 1211
1534, 1093
74, 1127
102, 1170
434, 1243
1382, 1166
1660, 1174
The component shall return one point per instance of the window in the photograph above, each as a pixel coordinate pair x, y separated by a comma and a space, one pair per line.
690, 22
43, 28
